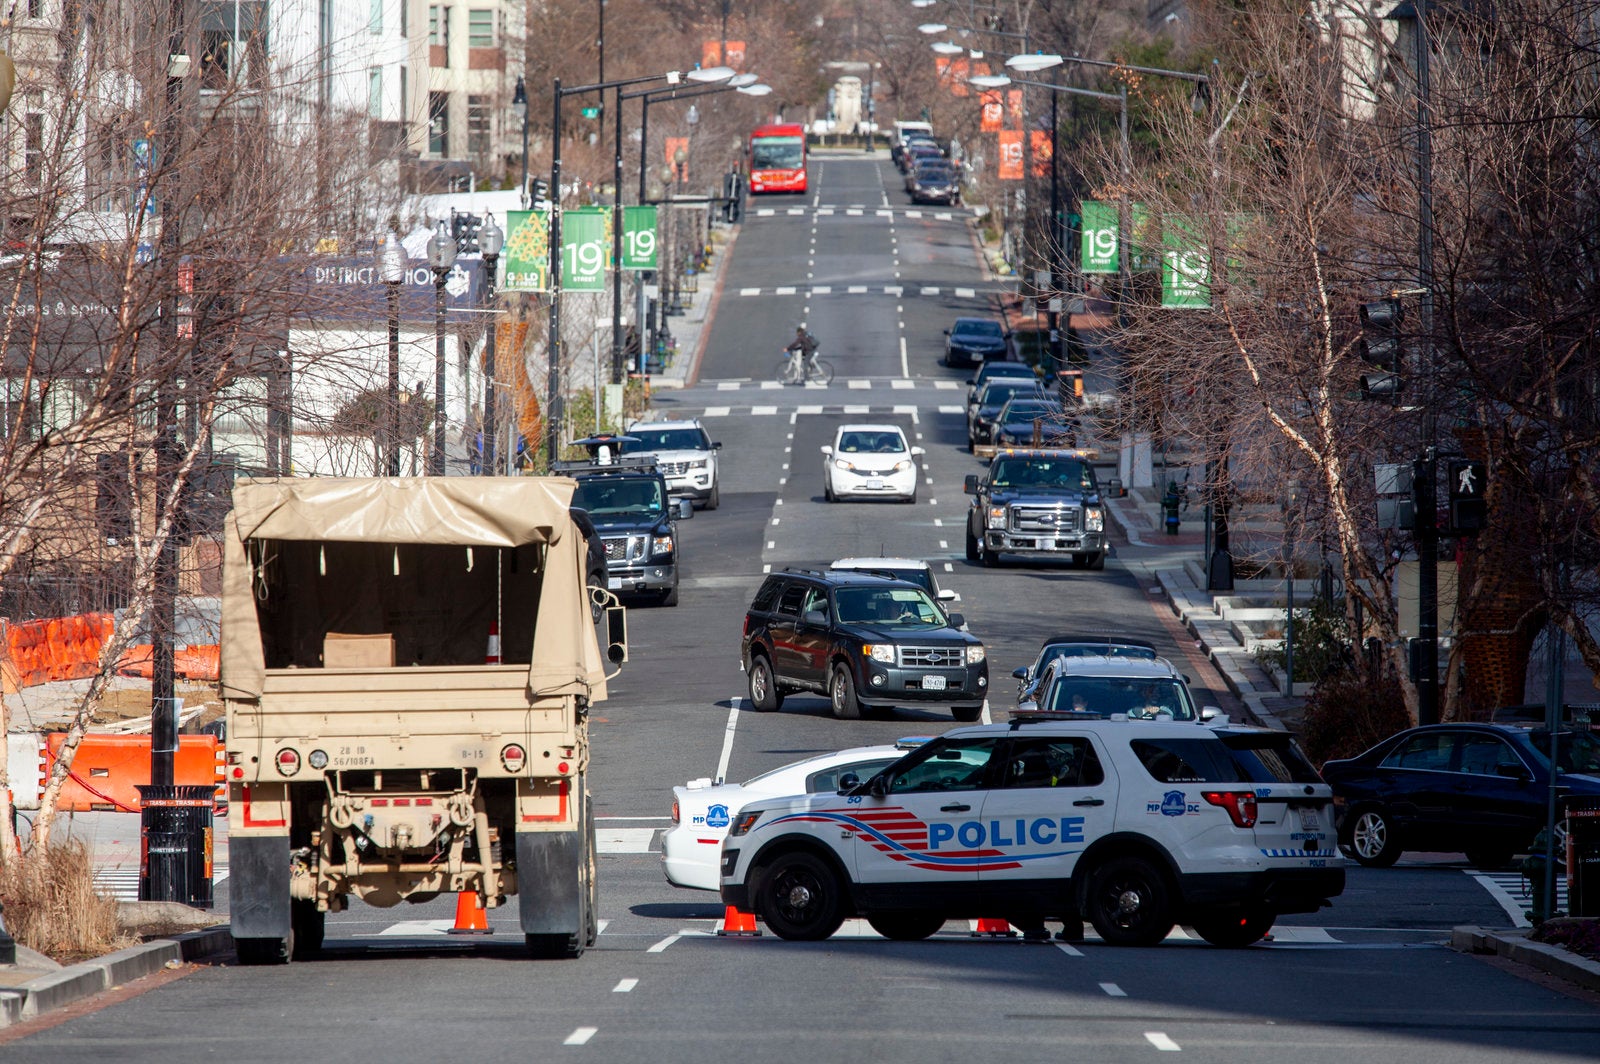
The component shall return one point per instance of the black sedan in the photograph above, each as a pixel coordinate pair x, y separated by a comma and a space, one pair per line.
986, 409
934, 181
1478, 789
1017, 420
973, 340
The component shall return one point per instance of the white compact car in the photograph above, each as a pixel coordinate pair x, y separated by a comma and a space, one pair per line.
685, 456
911, 570
1132, 825
702, 810
866, 461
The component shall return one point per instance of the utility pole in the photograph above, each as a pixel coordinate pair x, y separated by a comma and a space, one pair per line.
1427, 532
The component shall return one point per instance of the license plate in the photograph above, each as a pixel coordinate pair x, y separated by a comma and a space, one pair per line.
875, 485
613, 582
1309, 820
933, 683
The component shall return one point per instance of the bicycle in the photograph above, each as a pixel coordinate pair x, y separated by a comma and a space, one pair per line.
790, 370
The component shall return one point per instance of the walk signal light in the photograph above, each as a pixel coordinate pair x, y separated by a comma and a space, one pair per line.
1469, 512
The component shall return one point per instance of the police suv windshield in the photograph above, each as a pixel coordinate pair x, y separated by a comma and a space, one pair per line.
887, 607
1141, 698
668, 440
603, 496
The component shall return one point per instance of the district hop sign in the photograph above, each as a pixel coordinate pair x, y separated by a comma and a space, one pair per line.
527, 251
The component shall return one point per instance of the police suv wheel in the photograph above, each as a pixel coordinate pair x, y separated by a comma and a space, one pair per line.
1129, 902
906, 927
1234, 930
800, 898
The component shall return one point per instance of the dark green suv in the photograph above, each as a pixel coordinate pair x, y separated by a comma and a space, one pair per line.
865, 640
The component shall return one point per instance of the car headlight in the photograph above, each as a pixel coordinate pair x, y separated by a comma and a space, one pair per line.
743, 823
997, 517
701, 464
840, 463
1094, 519
879, 652
902, 465
661, 545
975, 654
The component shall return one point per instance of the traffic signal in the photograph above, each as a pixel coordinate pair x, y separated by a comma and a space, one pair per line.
464, 227
1469, 513
541, 189
1381, 346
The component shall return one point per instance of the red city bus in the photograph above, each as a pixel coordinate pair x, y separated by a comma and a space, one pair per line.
777, 159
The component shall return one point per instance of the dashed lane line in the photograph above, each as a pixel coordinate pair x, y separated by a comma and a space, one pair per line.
581, 1036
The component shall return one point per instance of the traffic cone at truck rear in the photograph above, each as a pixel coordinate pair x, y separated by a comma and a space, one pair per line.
492, 655
738, 924
471, 919
993, 926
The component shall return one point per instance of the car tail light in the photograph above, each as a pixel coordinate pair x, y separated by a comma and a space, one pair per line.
674, 810
1241, 805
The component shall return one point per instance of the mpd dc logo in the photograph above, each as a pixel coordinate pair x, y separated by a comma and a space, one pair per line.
1173, 803
717, 817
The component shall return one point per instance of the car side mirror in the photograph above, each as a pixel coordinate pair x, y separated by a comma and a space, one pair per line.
717, 446
918, 452
827, 450
956, 620
816, 617
946, 595
849, 782
685, 509
970, 485
1514, 772
1208, 714
878, 786
1021, 672
971, 383
947, 332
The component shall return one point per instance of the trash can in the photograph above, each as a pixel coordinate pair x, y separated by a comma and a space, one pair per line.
1171, 503
175, 844
1583, 856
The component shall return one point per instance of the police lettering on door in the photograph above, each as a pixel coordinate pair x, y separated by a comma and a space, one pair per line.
1040, 831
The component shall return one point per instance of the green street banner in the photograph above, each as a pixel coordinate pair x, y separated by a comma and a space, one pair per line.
1185, 266
527, 252
639, 238
584, 249
1099, 237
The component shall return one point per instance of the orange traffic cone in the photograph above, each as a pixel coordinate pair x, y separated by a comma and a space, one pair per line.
492, 655
739, 925
471, 919
994, 927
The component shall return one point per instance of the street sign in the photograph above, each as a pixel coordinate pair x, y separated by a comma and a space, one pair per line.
1099, 239
639, 244
527, 251
1185, 267
590, 112
584, 249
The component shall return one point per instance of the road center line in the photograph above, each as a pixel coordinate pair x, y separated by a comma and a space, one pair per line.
905, 368
1071, 951
624, 986
661, 947
1161, 1042
1113, 990
727, 738
581, 1036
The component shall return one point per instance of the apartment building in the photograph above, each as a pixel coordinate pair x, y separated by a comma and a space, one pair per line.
474, 52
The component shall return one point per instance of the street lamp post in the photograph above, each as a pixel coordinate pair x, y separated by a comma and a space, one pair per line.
392, 268
491, 238
441, 259
519, 104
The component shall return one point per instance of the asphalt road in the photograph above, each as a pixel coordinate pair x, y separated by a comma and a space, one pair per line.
1367, 980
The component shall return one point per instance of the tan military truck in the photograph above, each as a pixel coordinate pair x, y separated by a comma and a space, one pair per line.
376, 748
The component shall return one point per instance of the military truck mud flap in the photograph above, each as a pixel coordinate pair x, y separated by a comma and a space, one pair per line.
550, 888
258, 893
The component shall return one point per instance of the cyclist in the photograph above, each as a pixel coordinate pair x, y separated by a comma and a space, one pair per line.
806, 345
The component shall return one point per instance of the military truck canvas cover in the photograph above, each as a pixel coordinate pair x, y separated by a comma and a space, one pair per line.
431, 561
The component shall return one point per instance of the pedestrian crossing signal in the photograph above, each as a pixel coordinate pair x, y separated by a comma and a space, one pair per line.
1469, 512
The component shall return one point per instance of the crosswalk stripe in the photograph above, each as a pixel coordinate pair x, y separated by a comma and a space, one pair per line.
1516, 894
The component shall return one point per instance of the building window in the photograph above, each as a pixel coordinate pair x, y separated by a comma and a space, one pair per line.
405, 18
480, 28
405, 99
439, 123
439, 25
375, 92
375, 17
35, 9
33, 147
478, 125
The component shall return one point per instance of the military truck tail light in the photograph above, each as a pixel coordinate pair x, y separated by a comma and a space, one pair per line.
1241, 805
288, 762
513, 757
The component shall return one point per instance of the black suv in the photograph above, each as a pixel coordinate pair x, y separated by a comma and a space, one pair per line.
627, 501
864, 639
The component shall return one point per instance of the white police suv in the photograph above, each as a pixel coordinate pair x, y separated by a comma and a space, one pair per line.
1134, 825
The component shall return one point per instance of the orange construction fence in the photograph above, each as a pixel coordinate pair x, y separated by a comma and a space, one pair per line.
59, 648
108, 769
201, 661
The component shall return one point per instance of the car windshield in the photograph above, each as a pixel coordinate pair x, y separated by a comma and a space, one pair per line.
919, 575
776, 153
934, 169
1028, 411
1057, 651
1140, 697
887, 607
999, 390
604, 497
970, 327
864, 442
1576, 751
667, 440
1039, 473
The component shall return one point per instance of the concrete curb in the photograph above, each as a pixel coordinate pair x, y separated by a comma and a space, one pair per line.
76, 982
1514, 946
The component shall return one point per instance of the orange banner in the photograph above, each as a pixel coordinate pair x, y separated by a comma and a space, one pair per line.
1010, 168
991, 112
711, 54
1043, 148
1014, 108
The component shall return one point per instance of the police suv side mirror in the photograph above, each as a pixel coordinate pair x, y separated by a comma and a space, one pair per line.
685, 509
970, 485
878, 786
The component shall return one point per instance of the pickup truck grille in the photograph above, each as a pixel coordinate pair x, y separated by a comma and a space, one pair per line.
931, 657
1044, 520
624, 548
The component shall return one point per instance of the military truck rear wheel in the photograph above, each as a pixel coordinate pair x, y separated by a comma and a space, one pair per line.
260, 951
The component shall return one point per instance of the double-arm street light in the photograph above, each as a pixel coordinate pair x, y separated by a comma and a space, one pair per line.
441, 259
519, 104
553, 404
392, 268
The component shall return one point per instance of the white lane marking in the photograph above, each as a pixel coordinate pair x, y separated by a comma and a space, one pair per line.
624, 840
764, 212
905, 367
624, 986
600, 926
1161, 1042
661, 947
857, 290
822, 290
786, 450
411, 928
807, 409
581, 1036
943, 216
984, 716
949, 568
715, 411
966, 293
779, 502
1113, 990
784, 290
894, 290
902, 326
930, 291
944, 545
786, 467
796, 210
946, 386
727, 737
772, 545
915, 419
824, 210
769, 385
886, 214
809, 275
857, 409
775, 520
767, 568
759, 410
933, 502
858, 385
938, 522
728, 386
909, 214
853, 212
950, 409
749, 291
1068, 950
898, 383
906, 408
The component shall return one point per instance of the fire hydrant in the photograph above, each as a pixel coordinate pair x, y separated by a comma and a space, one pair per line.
1171, 503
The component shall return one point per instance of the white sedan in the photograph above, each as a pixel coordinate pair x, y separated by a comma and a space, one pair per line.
691, 850
870, 460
